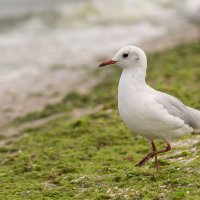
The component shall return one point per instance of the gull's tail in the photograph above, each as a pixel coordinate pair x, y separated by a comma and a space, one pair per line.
195, 114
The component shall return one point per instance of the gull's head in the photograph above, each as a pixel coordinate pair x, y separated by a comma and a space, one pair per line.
128, 57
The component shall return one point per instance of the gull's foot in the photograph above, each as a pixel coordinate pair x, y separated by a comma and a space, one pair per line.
145, 159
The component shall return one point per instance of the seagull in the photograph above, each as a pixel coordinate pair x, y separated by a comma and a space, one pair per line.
146, 111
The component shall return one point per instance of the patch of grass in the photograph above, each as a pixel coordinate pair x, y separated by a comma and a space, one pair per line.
8, 110
182, 154
94, 157
11, 22
57, 67
35, 94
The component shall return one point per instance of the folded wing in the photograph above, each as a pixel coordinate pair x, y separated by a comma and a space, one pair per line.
176, 108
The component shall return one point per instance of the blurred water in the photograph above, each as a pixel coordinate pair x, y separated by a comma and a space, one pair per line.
41, 33
34, 35
19, 7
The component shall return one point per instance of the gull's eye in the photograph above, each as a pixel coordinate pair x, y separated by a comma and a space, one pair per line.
125, 55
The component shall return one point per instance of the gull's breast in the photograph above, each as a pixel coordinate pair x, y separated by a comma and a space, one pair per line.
132, 110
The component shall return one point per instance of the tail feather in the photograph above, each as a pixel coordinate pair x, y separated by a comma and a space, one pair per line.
195, 115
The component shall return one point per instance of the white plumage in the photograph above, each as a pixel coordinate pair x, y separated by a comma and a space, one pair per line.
146, 111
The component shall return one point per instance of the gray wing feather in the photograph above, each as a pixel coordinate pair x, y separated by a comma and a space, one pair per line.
195, 114
176, 108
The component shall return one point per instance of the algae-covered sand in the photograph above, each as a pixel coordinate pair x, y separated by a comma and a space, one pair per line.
94, 156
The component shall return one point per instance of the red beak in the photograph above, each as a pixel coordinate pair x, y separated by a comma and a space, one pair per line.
110, 62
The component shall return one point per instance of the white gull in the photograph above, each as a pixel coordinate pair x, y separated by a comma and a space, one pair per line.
146, 111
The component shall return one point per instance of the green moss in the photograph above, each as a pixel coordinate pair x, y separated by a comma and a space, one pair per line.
178, 194
94, 157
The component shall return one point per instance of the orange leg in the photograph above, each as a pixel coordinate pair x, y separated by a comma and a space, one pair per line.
156, 158
154, 153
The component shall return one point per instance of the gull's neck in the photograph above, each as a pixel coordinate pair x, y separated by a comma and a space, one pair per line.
134, 76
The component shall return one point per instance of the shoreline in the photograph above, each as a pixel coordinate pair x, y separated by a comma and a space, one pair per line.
33, 95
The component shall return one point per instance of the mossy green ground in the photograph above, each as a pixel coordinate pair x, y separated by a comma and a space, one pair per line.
94, 157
